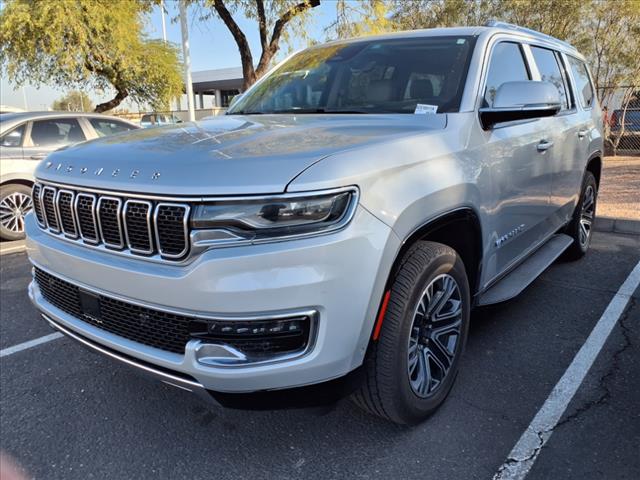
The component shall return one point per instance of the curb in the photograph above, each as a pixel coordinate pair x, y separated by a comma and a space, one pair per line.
617, 225
12, 247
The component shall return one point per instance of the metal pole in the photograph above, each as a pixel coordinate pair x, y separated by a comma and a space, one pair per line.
24, 97
164, 25
187, 59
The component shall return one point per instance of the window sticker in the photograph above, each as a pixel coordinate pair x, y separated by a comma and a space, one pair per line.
424, 109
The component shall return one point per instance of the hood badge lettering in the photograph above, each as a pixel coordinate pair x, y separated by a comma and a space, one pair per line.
135, 173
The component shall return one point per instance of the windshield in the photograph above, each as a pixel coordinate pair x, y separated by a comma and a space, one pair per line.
377, 76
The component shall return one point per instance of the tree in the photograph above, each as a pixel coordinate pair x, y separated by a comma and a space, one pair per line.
273, 17
74, 101
96, 45
368, 17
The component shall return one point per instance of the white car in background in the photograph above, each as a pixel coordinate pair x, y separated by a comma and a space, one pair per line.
25, 139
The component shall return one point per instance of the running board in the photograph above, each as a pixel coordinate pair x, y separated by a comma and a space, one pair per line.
525, 273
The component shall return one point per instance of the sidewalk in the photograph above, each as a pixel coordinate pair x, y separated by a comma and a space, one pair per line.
619, 196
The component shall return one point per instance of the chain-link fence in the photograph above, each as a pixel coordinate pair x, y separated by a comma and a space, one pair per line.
621, 108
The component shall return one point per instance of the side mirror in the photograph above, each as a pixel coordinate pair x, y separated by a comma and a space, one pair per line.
521, 101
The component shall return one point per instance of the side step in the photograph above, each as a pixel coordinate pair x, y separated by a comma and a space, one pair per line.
525, 273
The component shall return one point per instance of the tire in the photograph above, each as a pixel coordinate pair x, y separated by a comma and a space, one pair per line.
581, 225
392, 387
15, 203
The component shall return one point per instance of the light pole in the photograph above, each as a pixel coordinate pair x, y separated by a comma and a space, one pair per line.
164, 25
187, 59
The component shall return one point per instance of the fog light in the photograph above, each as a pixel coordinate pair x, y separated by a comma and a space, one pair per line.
258, 340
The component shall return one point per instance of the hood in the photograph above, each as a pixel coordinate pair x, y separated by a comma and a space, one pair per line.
228, 155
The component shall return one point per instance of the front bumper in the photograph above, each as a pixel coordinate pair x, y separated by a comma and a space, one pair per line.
340, 276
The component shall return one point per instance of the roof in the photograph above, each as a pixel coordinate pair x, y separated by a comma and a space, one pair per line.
492, 27
221, 78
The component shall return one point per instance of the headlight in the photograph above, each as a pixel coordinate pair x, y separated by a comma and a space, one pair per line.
275, 217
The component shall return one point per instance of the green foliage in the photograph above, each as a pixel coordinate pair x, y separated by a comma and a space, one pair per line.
91, 45
74, 101
607, 32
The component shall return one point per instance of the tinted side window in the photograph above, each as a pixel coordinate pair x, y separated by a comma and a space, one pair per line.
56, 132
550, 72
506, 65
104, 127
13, 138
584, 89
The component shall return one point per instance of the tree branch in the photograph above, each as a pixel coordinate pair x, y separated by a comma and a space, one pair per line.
272, 48
248, 71
262, 23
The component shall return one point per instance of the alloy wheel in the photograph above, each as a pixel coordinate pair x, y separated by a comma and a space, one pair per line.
435, 335
13, 208
587, 214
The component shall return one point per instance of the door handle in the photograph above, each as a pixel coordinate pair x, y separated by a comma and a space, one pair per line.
582, 133
544, 145
38, 156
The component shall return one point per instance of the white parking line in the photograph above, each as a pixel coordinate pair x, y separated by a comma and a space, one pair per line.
31, 343
537, 434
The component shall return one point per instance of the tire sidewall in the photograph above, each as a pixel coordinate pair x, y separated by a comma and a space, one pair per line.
415, 408
589, 179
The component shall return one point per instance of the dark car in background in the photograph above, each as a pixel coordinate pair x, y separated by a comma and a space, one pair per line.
25, 139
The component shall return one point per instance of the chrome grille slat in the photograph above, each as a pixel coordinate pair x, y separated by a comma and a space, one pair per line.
109, 221
156, 229
136, 216
171, 224
36, 196
66, 214
48, 205
85, 208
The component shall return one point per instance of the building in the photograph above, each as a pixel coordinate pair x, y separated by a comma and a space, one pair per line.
216, 88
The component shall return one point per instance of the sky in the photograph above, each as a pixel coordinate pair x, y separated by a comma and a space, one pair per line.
211, 45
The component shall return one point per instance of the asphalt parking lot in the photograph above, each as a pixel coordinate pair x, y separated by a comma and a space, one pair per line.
67, 413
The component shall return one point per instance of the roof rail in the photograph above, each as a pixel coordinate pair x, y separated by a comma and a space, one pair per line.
535, 33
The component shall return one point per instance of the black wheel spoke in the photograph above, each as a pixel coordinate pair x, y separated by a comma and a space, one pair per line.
435, 331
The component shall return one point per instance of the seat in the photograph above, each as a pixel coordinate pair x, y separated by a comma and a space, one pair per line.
45, 133
421, 88
379, 91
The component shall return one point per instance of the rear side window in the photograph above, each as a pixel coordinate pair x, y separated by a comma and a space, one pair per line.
56, 132
104, 127
549, 69
13, 138
584, 89
506, 65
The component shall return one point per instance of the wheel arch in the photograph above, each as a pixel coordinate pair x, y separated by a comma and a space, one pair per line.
594, 165
18, 181
459, 229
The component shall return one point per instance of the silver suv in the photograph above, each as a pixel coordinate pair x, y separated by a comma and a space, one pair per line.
331, 234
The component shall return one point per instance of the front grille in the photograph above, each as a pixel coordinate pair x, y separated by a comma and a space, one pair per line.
66, 214
154, 328
48, 205
109, 221
119, 223
37, 206
85, 211
258, 339
137, 217
171, 227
